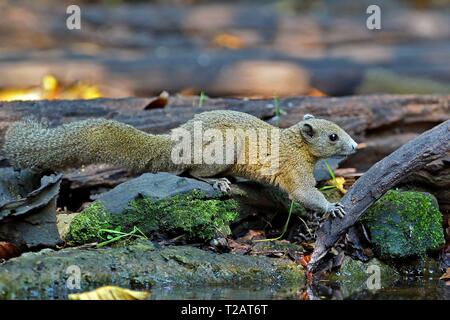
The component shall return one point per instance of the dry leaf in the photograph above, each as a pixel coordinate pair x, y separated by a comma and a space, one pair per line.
303, 295
304, 260
227, 40
313, 92
8, 250
251, 235
159, 102
446, 275
110, 293
237, 247
51, 89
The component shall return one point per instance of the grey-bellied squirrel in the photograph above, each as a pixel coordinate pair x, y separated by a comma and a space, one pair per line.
30, 144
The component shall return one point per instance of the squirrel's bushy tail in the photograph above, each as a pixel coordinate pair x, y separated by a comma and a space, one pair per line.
31, 144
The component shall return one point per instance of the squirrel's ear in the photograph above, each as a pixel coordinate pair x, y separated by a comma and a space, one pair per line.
307, 130
308, 116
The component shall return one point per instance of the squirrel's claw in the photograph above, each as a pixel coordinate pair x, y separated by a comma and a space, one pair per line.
337, 209
340, 205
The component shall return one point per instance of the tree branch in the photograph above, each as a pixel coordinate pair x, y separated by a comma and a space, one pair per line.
385, 174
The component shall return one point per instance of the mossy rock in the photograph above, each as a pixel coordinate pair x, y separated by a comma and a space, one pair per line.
357, 271
193, 214
355, 276
404, 224
141, 265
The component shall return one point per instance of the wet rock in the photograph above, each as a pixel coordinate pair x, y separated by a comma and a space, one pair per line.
28, 208
404, 224
139, 265
355, 276
425, 267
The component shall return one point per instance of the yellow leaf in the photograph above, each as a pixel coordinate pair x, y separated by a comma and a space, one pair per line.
49, 83
229, 41
20, 94
338, 183
110, 293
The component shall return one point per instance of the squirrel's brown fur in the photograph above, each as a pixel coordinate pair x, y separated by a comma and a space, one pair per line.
29, 144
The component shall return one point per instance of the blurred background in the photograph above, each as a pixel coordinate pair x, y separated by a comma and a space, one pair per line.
222, 48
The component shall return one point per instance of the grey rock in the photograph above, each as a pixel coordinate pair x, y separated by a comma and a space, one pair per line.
156, 186
28, 208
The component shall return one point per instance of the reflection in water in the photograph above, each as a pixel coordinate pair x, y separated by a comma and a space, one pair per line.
407, 289
221, 293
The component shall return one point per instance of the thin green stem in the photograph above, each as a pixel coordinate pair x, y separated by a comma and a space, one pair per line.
201, 99
284, 228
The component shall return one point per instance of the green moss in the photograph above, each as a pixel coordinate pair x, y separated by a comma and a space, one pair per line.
355, 276
405, 223
86, 226
192, 214
357, 271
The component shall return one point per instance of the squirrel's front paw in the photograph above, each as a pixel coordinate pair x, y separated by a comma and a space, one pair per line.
336, 209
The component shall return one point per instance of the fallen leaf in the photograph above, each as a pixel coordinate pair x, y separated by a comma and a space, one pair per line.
304, 260
303, 295
8, 250
159, 102
237, 247
446, 275
313, 92
51, 89
227, 40
110, 293
251, 235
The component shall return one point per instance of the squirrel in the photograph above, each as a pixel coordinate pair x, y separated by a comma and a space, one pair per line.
31, 144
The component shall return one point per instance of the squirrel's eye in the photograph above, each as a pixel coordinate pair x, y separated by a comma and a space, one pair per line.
333, 137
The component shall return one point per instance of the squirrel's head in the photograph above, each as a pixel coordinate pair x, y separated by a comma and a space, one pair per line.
325, 138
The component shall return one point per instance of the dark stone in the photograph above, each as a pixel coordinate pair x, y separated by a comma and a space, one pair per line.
155, 186
28, 208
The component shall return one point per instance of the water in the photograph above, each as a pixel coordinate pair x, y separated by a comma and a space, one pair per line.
412, 289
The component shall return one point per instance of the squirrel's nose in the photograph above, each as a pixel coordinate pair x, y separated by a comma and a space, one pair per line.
354, 146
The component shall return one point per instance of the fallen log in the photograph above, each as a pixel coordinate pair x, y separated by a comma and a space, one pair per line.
411, 157
246, 72
380, 123
243, 49
148, 25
